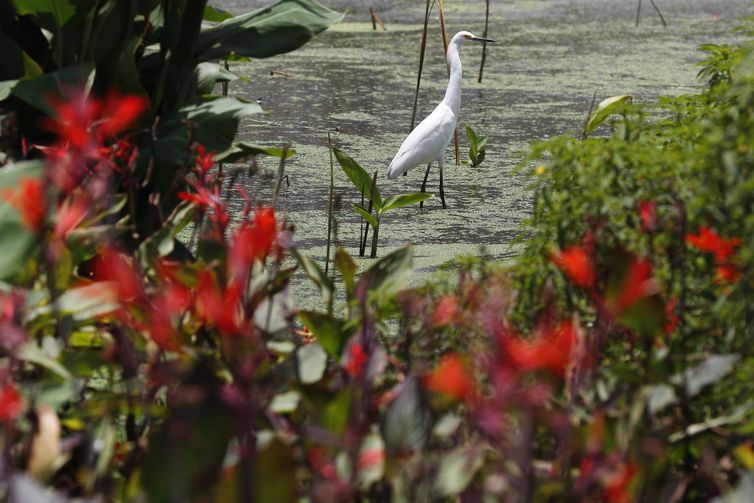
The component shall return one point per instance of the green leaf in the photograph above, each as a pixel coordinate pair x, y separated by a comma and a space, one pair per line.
316, 274
6, 88
606, 108
347, 267
39, 91
387, 274
710, 371
85, 302
285, 403
212, 121
471, 135
183, 21
407, 421
400, 200
457, 469
32, 353
276, 470
312, 363
216, 15
328, 331
367, 216
16, 63
240, 150
359, 177
208, 74
279, 28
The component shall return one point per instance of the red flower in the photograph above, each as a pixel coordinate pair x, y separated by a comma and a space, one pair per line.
11, 404
119, 113
550, 350
82, 121
671, 319
204, 160
116, 267
709, 241
29, 200
356, 359
647, 210
446, 310
252, 242
727, 273
167, 305
617, 484
204, 200
638, 284
70, 215
576, 263
73, 119
452, 378
220, 307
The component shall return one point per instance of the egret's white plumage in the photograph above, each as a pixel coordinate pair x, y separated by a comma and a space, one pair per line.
427, 142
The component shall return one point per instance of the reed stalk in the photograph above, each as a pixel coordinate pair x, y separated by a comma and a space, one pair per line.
456, 144
484, 44
329, 205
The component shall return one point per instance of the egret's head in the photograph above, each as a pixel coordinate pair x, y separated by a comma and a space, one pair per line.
466, 36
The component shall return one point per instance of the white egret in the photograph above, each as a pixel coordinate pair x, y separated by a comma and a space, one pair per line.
428, 141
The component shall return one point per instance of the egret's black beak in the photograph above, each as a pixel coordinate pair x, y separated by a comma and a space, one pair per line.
480, 39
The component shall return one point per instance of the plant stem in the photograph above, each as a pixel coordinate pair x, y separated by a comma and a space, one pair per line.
329, 205
421, 65
484, 44
361, 225
281, 170
369, 210
588, 115
658, 12
375, 234
638, 13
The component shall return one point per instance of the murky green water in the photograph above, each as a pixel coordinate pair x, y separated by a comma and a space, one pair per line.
357, 84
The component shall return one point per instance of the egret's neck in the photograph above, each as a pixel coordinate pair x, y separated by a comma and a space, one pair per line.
453, 93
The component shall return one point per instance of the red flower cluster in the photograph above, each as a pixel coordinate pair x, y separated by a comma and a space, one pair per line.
453, 378
576, 264
29, 200
446, 311
84, 125
723, 249
84, 122
551, 349
11, 404
356, 359
648, 212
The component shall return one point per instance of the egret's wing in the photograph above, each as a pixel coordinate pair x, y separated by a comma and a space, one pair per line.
426, 142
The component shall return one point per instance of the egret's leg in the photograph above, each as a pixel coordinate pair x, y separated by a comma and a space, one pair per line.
424, 185
442, 188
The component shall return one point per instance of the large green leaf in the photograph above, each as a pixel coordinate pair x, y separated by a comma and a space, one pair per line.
279, 28
457, 469
215, 15
359, 177
183, 20
606, 108
371, 220
211, 121
17, 243
316, 274
388, 273
39, 91
407, 421
16, 63
312, 363
329, 331
208, 74
242, 149
400, 200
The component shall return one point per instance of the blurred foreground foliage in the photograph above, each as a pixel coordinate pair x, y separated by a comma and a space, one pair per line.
143, 362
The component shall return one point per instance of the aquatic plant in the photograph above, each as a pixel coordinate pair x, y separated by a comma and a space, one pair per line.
477, 146
367, 186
